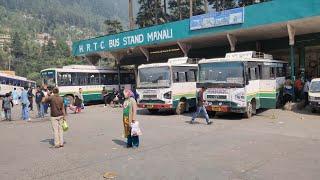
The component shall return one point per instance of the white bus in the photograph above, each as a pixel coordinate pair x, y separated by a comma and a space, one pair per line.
169, 85
9, 82
242, 82
91, 79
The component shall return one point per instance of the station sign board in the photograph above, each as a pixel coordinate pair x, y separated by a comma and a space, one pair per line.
215, 19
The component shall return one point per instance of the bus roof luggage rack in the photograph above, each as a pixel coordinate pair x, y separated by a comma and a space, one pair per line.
183, 60
85, 67
248, 54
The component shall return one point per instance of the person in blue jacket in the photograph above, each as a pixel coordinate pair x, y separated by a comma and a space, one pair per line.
25, 104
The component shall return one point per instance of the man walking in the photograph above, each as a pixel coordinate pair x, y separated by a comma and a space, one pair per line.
80, 95
25, 104
7, 104
201, 107
57, 116
39, 97
30, 98
15, 96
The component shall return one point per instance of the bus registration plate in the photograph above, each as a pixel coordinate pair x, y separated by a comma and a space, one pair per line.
149, 106
216, 108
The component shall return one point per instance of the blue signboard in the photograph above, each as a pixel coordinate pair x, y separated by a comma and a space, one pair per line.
215, 19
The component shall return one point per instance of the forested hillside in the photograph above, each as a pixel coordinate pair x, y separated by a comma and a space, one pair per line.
41, 31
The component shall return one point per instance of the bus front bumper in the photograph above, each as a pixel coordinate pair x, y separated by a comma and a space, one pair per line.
315, 104
155, 106
225, 109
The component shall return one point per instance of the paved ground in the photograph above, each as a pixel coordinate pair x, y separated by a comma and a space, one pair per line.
286, 147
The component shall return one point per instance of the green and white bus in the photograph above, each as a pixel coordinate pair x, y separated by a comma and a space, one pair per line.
91, 79
242, 82
8, 82
169, 85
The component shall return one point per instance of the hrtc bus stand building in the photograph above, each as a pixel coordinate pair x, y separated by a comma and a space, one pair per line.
287, 29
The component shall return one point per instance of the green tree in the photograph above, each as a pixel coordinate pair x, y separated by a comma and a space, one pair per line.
150, 13
180, 9
17, 46
220, 5
113, 26
51, 48
250, 2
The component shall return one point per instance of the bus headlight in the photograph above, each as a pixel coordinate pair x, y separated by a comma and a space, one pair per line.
240, 97
167, 95
312, 98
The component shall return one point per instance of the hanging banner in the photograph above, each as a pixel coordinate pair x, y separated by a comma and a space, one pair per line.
215, 19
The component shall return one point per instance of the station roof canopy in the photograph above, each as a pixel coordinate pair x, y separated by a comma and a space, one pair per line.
268, 20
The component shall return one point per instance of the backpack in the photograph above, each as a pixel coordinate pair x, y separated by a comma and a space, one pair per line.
6, 103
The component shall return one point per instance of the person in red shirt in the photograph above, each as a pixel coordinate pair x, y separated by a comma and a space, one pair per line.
298, 86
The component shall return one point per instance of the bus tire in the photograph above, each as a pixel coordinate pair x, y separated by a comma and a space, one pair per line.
211, 114
181, 108
249, 111
313, 110
153, 111
70, 98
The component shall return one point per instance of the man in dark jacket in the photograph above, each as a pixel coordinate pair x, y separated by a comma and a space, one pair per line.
30, 98
40, 107
6, 106
57, 116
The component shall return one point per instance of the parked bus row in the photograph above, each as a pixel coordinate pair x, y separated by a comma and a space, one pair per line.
241, 82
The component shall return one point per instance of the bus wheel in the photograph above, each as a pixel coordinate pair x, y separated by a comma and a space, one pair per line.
70, 98
153, 111
211, 114
279, 103
249, 111
313, 110
181, 108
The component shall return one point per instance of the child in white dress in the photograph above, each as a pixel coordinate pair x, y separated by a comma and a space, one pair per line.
135, 133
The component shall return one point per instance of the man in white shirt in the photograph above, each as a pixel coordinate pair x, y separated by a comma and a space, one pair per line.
306, 90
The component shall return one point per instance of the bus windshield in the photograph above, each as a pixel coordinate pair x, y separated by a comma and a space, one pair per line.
221, 72
48, 78
154, 77
315, 86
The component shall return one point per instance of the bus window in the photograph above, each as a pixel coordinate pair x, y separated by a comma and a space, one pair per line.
74, 79
93, 79
253, 74
280, 72
175, 77
265, 72
82, 79
272, 72
182, 76
127, 78
107, 79
64, 79
191, 76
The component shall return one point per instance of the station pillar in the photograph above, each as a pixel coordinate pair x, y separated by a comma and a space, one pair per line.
291, 33
302, 53
119, 79
292, 63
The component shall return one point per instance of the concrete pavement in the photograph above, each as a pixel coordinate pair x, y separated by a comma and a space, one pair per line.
284, 147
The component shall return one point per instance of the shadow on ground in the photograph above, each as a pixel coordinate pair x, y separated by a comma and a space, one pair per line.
119, 142
50, 141
160, 113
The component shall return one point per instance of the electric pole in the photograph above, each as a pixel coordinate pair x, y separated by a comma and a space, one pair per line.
179, 7
206, 6
131, 21
191, 8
